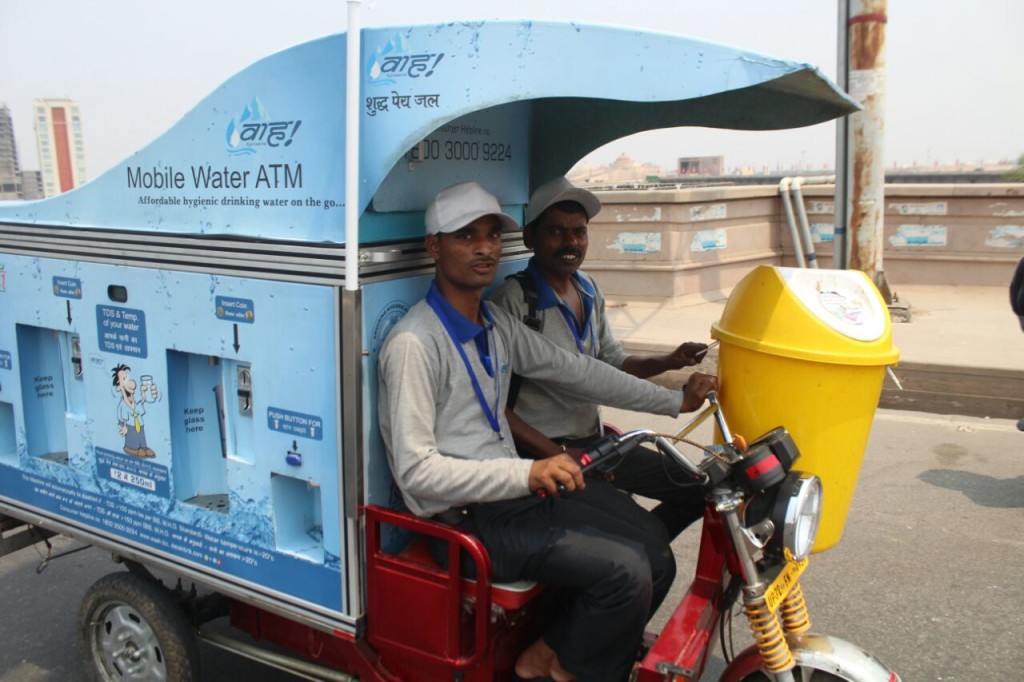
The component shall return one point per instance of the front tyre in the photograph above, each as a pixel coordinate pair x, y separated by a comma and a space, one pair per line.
131, 628
800, 674
818, 658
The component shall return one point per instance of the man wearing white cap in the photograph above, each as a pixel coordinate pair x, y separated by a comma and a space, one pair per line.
564, 304
443, 378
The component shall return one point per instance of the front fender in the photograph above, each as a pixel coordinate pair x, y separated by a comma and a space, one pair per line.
829, 654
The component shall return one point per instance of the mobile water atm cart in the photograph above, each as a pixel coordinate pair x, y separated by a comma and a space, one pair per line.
188, 343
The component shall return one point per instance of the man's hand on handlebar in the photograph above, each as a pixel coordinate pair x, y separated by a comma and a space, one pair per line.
696, 390
554, 475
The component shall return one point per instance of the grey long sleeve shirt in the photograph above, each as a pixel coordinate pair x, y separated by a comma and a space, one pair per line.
545, 406
441, 448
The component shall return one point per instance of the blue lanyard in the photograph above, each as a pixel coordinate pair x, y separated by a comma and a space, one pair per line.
433, 301
578, 334
574, 325
550, 298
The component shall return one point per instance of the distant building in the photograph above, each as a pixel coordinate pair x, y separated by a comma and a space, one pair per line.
10, 176
701, 165
58, 126
32, 184
622, 171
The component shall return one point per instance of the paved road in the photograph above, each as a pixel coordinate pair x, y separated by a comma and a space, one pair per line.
38, 615
926, 577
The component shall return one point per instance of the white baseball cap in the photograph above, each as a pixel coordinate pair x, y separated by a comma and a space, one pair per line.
457, 206
560, 189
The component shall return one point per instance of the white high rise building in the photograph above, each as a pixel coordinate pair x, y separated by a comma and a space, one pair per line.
58, 125
10, 171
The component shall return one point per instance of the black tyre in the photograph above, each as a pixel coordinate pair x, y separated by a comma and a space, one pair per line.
131, 628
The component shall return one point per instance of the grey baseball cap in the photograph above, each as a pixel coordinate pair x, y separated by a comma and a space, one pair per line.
560, 189
457, 206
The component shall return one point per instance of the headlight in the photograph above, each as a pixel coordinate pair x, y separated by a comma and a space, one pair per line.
796, 512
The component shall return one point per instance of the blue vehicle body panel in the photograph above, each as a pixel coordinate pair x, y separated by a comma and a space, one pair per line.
172, 353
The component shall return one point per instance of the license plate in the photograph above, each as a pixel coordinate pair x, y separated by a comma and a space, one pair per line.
783, 583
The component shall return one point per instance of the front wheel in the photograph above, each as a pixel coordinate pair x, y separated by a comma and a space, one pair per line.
818, 658
131, 628
800, 674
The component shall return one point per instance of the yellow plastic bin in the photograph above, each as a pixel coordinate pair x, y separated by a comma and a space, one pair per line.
808, 350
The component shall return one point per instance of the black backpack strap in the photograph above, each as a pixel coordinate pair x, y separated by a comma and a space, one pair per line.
514, 384
532, 320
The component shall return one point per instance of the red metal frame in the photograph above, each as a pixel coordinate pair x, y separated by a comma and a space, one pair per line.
686, 641
397, 587
427, 622
338, 650
422, 622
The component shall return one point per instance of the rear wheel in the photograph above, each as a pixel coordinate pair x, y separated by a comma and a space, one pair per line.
131, 628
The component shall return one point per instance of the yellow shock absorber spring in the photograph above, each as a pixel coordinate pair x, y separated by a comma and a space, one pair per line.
793, 611
768, 636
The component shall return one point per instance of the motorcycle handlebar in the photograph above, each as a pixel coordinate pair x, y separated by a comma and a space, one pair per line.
612, 445
666, 448
609, 447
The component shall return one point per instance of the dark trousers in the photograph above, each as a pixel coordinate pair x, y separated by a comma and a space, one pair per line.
611, 553
646, 472
650, 474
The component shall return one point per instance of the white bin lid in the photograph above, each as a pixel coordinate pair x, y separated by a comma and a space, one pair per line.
842, 299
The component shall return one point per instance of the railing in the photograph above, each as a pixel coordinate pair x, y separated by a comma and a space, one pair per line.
664, 244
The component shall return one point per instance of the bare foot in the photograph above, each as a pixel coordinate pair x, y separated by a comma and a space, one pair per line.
535, 661
540, 660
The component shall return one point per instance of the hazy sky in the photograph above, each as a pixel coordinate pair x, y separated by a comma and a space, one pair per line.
954, 85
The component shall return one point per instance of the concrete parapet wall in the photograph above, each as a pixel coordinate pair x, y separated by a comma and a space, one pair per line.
685, 244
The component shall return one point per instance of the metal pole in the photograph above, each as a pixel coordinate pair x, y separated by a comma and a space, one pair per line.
350, 472
353, 58
867, 85
794, 233
841, 212
801, 212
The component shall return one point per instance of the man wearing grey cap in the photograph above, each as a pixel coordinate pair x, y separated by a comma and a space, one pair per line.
443, 378
554, 297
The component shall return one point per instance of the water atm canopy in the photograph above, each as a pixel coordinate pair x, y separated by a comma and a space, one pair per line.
508, 103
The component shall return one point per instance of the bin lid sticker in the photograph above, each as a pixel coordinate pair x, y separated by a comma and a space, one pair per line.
841, 299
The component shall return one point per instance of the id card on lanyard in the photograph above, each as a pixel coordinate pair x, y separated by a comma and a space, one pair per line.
487, 350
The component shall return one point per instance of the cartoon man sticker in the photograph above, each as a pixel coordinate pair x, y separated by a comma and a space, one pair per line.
130, 411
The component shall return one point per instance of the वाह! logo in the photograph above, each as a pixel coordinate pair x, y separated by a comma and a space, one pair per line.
253, 128
393, 61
